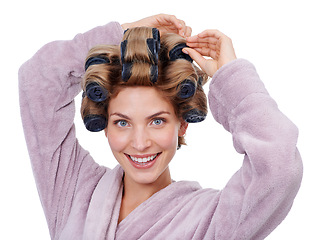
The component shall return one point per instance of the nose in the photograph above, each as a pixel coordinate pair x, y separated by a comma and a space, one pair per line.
140, 139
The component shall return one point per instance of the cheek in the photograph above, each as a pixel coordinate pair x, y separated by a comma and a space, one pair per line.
168, 138
117, 142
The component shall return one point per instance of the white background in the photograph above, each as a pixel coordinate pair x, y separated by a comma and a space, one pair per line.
278, 37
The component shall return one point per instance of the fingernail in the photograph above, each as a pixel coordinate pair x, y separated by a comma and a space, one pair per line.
185, 51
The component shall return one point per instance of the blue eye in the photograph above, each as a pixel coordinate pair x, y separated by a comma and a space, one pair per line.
122, 123
157, 122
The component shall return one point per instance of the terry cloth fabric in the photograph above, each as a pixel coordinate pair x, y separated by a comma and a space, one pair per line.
81, 199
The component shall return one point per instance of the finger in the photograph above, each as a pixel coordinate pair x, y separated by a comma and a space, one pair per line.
180, 25
188, 31
211, 33
174, 24
207, 52
196, 56
193, 38
202, 40
207, 65
184, 31
202, 45
167, 20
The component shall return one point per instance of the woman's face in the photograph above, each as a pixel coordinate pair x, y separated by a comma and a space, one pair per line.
143, 133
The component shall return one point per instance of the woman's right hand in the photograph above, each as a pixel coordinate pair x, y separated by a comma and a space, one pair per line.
164, 23
213, 44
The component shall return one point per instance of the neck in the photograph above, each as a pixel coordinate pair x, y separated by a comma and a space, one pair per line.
136, 193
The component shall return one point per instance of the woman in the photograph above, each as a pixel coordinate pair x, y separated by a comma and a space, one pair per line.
144, 126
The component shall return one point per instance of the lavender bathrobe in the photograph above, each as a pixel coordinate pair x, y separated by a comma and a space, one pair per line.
82, 199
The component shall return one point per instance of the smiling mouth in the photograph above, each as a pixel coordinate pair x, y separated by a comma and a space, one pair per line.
143, 160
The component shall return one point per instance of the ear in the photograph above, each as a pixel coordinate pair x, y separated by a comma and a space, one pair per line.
105, 131
183, 128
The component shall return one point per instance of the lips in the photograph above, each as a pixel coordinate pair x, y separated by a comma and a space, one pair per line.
143, 161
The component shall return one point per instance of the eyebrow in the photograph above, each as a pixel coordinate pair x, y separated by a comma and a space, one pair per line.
157, 114
120, 115
149, 117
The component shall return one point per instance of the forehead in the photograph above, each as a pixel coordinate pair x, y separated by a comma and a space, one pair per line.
138, 100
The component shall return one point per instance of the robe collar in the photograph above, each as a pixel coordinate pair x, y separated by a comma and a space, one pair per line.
103, 212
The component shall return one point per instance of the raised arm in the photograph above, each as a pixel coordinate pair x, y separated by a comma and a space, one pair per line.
259, 196
48, 84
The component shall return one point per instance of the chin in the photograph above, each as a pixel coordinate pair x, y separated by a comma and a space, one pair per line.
145, 179
149, 176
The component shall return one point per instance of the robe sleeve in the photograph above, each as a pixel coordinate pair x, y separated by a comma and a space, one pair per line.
259, 196
48, 84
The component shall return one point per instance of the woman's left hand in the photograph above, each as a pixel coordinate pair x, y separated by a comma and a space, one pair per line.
164, 23
213, 44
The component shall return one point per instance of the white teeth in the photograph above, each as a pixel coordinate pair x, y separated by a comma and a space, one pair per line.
143, 160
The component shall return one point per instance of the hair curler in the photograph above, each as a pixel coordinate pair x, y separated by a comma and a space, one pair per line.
96, 60
95, 92
194, 116
187, 89
176, 53
94, 122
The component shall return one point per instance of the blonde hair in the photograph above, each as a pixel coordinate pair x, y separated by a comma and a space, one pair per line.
138, 63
